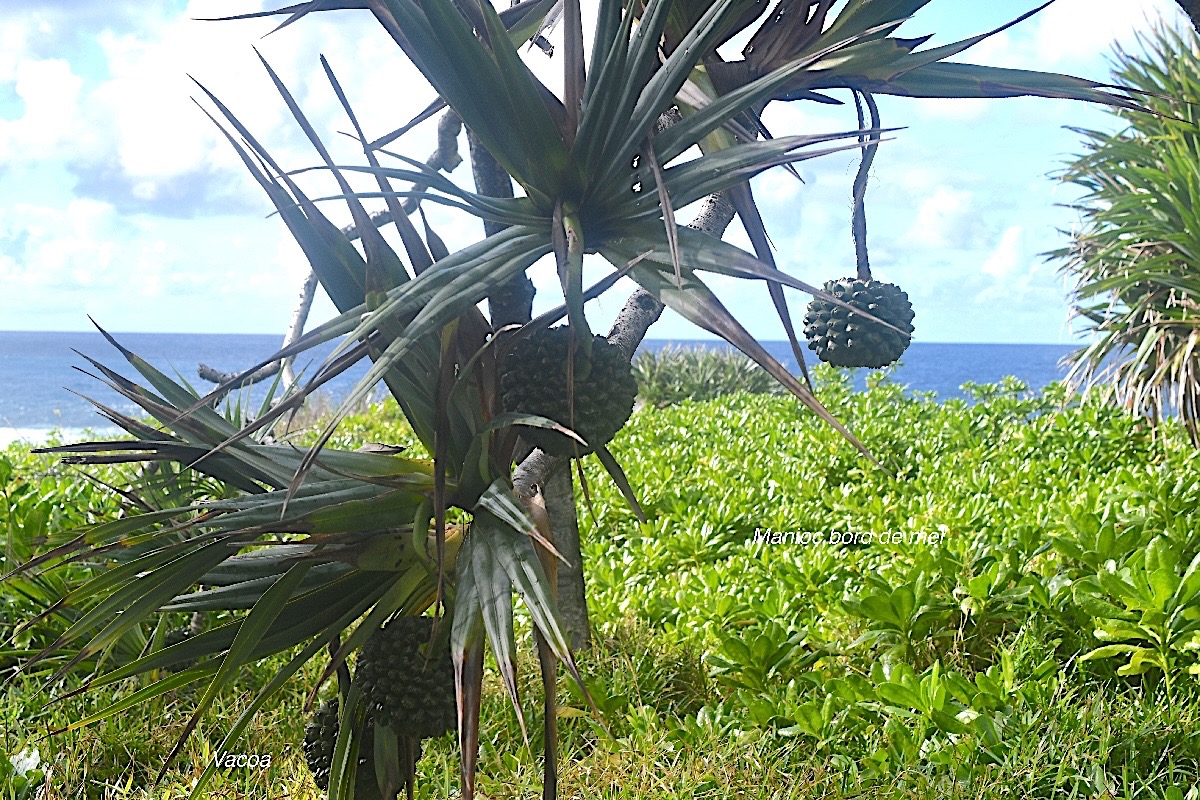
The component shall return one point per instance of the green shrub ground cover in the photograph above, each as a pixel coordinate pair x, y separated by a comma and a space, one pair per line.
1024, 620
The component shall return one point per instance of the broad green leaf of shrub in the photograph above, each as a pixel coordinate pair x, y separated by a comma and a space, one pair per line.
814, 718
754, 662
1147, 610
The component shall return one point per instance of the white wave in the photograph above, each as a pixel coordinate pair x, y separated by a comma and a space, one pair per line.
34, 437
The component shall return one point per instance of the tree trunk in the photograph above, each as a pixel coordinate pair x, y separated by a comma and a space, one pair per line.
559, 496
512, 303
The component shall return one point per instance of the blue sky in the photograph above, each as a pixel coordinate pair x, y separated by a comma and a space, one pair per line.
119, 200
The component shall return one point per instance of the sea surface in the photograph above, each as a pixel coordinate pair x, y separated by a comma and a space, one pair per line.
45, 378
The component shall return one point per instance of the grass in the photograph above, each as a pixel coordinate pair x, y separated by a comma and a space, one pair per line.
729, 667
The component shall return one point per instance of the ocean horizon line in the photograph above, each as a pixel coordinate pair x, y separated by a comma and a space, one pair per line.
691, 340
45, 389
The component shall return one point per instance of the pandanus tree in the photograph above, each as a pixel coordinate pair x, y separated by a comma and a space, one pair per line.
321, 550
1133, 259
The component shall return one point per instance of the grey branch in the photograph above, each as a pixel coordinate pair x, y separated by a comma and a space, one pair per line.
512, 302
446, 158
308, 292
214, 375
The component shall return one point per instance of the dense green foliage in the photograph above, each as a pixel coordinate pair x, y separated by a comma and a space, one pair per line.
674, 374
1049, 528
37, 497
1022, 622
1133, 261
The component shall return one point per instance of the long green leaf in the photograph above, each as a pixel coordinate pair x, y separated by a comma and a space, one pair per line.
953, 80
138, 599
694, 127
505, 110
494, 588
251, 632
243, 721
322, 612
246, 594
380, 259
660, 89
618, 91
860, 15
442, 294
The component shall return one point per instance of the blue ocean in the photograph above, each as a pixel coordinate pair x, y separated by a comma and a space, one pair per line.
45, 380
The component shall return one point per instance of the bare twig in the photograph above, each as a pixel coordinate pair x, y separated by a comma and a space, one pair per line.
308, 291
214, 375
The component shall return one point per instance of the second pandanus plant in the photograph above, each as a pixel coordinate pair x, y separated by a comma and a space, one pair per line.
323, 550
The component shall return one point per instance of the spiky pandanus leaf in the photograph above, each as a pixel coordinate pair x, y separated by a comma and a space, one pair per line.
341, 564
884, 64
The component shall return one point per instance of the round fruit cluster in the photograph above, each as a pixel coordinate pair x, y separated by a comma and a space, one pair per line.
847, 339
534, 380
405, 686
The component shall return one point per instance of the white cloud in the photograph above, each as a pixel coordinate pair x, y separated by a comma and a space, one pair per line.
778, 188
58, 249
1072, 30
49, 91
124, 124
944, 218
154, 131
125, 120
1017, 281
1072, 35
12, 44
1008, 256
